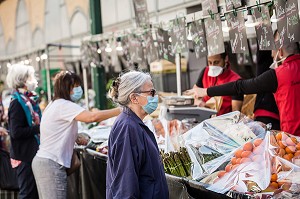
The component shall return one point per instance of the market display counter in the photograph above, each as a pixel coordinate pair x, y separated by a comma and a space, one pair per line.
89, 181
184, 188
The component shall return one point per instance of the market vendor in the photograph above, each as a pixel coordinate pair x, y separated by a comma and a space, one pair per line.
134, 166
265, 107
218, 72
283, 81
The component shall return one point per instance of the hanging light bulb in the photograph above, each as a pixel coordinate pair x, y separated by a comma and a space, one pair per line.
26, 62
170, 39
37, 59
189, 37
274, 18
108, 49
99, 51
92, 64
250, 20
44, 56
119, 47
225, 28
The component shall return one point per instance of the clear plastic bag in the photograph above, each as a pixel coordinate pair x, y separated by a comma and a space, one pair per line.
285, 152
212, 135
248, 170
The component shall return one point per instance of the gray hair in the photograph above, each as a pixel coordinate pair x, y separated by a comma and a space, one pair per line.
18, 74
126, 84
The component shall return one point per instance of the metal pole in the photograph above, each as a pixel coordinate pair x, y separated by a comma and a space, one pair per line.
48, 75
178, 73
85, 85
98, 72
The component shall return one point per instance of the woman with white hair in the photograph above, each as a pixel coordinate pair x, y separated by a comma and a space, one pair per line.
134, 167
24, 126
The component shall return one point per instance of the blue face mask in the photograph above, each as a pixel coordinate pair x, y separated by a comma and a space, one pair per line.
77, 94
152, 104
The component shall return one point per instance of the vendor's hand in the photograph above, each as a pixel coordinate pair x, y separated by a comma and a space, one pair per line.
199, 102
3, 131
188, 92
199, 92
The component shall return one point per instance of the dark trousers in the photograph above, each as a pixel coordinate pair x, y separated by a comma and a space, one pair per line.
26, 181
275, 123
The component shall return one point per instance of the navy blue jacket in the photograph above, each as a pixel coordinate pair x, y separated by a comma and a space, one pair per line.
134, 167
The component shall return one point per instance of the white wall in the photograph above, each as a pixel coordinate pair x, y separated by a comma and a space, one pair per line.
10, 47
38, 38
65, 22
78, 26
119, 14
23, 35
52, 21
2, 42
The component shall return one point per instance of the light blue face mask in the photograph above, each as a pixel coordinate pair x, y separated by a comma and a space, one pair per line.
152, 104
77, 94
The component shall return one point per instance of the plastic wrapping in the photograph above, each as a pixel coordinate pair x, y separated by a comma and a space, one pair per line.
248, 170
285, 152
169, 133
270, 165
219, 136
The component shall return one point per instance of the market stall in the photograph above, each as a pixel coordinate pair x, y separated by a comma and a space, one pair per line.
222, 157
225, 156
217, 157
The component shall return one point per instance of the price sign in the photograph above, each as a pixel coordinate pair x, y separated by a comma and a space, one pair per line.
151, 50
237, 32
198, 38
231, 4
214, 35
264, 29
141, 13
178, 35
136, 50
288, 21
165, 50
209, 6
89, 53
254, 2
126, 50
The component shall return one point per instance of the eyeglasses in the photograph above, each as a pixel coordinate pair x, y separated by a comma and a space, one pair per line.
152, 92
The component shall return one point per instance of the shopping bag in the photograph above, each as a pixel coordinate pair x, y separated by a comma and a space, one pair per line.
8, 175
75, 164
